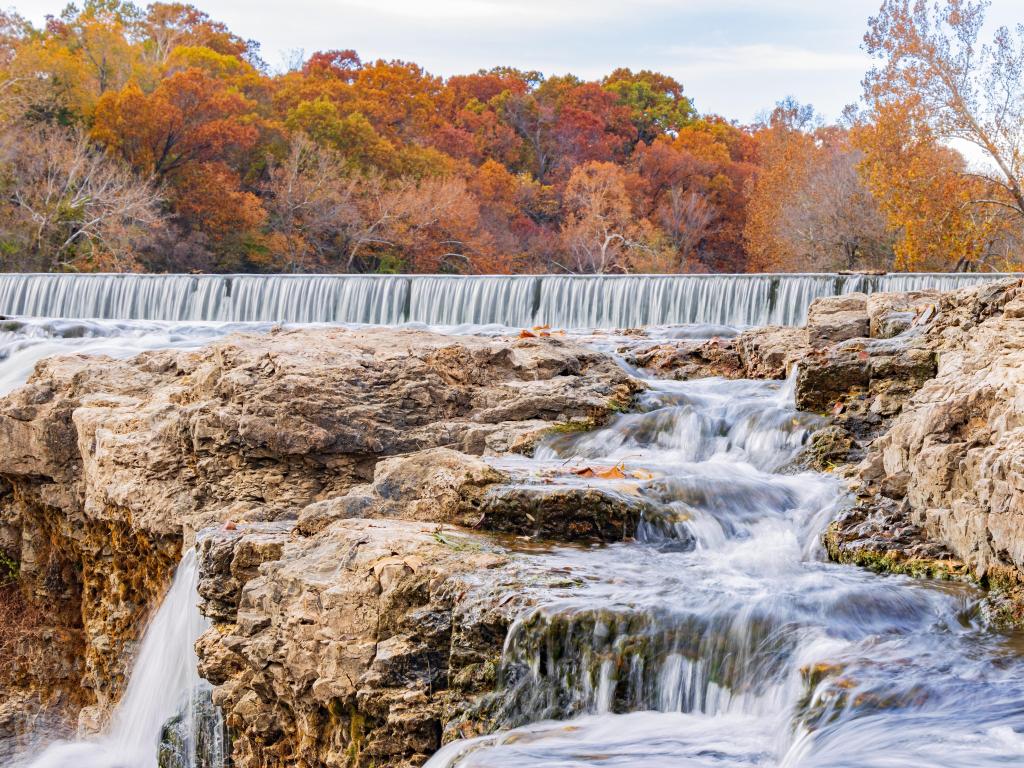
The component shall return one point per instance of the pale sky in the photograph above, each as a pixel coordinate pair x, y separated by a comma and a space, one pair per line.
734, 57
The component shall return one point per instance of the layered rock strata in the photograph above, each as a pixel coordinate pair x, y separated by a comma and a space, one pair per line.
111, 466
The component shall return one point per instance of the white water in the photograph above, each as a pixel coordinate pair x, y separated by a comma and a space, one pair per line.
697, 644
563, 301
162, 682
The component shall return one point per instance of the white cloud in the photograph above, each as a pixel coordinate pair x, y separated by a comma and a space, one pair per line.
764, 57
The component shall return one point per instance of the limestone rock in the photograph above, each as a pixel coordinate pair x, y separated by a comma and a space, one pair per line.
363, 642
110, 466
837, 318
443, 486
684, 359
772, 351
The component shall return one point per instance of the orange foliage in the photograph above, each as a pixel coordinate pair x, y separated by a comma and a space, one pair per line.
342, 164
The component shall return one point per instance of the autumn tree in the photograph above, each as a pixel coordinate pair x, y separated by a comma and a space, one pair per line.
809, 207
923, 188
601, 232
930, 53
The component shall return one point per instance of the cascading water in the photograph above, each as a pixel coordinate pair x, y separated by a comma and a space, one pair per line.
721, 637
165, 698
564, 301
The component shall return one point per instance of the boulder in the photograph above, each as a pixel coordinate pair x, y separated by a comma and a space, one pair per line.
837, 318
772, 351
365, 641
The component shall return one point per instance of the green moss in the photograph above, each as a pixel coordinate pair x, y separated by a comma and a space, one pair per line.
9, 569
357, 734
571, 427
458, 544
894, 561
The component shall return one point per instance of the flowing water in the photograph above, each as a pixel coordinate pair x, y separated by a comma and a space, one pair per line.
564, 301
719, 637
165, 698
722, 637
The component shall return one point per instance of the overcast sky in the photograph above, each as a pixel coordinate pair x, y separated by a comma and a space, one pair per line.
734, 57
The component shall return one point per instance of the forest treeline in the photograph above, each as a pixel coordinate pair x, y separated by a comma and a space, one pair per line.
156, 139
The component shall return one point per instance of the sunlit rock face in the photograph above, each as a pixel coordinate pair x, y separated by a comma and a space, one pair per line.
110, 465
930, 405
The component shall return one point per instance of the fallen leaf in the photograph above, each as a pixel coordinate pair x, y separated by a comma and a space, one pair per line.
524, 334
604, 473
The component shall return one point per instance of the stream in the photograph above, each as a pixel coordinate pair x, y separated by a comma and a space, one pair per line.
722, 636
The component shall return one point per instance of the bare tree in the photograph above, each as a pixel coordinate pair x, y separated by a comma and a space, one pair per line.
831, 221
67, 206
312, 206
686, 217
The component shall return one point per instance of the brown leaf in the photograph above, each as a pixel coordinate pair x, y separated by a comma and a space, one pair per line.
603, 473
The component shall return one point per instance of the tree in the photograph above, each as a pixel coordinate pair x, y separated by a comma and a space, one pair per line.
167, 26
601, 233
922, 188
655, 102
189, 118
809, 208
312, 208
67, 206
930, 52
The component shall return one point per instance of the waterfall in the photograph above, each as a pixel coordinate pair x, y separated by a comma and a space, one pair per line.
164, 694
563, 301
720, 637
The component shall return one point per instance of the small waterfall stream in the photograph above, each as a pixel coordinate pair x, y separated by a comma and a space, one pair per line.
163, 689
721, 637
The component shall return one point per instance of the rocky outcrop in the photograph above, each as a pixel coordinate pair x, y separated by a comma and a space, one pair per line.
110, 466
937, 413
361, 644
768, 352
443, 486
954, 457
